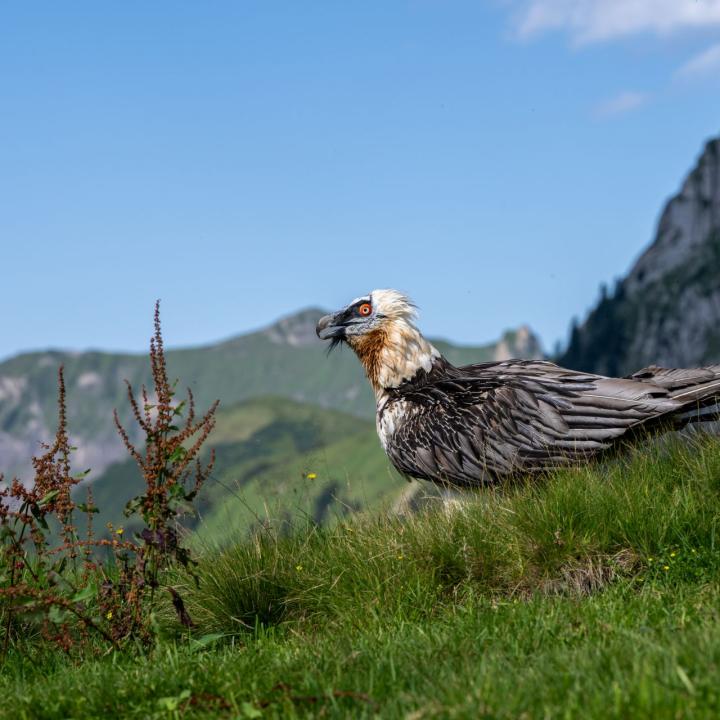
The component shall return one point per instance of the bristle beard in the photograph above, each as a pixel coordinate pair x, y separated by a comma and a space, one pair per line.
335, 342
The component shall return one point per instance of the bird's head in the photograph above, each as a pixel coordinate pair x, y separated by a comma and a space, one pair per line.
365, 316
380, 328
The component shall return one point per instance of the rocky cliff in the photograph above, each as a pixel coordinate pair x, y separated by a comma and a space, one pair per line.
666, 311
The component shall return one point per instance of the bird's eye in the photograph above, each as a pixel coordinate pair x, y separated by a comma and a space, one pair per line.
365, 309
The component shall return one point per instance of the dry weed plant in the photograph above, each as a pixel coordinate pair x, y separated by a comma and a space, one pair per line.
74, 590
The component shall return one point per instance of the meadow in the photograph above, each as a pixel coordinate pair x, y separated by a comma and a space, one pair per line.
590, 593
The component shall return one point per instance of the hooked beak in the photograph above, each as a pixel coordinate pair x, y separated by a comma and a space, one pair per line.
327, 329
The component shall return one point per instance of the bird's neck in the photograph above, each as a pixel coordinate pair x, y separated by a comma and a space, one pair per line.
393, 354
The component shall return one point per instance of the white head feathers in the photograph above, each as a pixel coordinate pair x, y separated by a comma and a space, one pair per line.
394, 305
402, 351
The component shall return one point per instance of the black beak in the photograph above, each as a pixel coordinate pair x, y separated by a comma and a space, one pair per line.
327, 330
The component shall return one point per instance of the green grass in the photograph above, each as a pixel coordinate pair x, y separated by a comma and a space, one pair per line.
594, 593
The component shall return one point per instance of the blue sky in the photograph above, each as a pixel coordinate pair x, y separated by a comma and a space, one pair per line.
239, 160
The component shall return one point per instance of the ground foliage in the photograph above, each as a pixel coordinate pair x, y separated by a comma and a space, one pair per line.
593, 593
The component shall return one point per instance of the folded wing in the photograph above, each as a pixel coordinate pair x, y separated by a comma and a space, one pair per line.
474, 424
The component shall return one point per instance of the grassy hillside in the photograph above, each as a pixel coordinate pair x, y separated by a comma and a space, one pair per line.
276, 460
594, 594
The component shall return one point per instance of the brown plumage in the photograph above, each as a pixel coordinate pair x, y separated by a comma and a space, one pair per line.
368, 348
480, 423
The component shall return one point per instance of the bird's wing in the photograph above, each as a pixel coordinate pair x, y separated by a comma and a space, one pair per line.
496, 419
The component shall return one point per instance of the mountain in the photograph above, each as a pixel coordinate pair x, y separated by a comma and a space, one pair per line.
666, 311
284, 360
276, 459
277, 462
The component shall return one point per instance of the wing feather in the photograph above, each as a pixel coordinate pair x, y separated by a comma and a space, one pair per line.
476, 423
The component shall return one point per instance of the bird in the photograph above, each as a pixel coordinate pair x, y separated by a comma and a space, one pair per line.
481, 424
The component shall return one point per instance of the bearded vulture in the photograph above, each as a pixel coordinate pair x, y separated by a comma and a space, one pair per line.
477, 424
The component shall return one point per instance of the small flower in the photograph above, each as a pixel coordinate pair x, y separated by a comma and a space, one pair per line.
299, 568
311, 476
650, 559
666, 567
694, 551
673, 554
120, 531
108, 614
400, 557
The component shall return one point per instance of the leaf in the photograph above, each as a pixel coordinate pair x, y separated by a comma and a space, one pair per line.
39, 516
48, 497
205, 640
82, 475
84, 507
56, 615
684, 679
250, 711
134, 505
172, 703
176, 491
86, 593
177, 454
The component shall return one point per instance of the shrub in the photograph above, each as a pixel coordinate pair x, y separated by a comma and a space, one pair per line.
52, 582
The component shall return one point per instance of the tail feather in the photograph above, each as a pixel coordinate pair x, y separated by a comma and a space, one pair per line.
696, 389
693, 387
677, 379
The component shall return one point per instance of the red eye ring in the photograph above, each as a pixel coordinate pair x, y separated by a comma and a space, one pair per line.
365, 309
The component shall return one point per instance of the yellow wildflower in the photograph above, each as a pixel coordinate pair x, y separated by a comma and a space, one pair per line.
673, 554
298, 567
108, 614
666, 567
120, 531
311, 476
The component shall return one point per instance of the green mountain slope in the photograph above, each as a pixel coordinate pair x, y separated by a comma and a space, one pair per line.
276, 461
283, 360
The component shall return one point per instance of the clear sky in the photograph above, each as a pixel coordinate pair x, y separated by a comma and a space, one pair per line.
497, 160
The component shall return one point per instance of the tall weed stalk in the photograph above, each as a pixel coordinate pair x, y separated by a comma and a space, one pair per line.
70, 588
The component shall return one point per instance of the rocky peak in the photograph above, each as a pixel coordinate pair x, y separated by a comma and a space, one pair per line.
297, 329
687, 221
667, 310
520, 343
